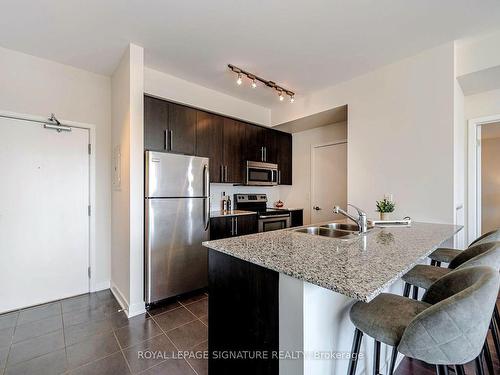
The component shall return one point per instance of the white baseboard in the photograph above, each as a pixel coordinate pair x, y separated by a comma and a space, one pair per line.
119, 297
130, 310
136, 309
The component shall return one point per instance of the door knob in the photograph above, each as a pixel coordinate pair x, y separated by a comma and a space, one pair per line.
316, 208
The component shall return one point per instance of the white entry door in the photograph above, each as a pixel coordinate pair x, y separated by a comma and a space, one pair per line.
329, 181
44, 222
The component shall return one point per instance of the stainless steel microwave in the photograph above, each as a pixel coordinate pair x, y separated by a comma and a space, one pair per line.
261, 174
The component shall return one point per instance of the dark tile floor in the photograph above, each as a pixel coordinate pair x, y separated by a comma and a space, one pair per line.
88, 334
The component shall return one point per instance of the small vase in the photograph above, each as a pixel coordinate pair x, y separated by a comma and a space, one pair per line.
385, 216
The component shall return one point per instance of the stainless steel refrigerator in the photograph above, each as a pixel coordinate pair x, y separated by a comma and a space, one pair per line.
177, 214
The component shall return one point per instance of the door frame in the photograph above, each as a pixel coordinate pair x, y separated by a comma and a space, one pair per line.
474, 174
93, 286
313, 147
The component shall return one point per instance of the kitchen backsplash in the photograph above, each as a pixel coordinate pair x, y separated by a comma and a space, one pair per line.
216, 190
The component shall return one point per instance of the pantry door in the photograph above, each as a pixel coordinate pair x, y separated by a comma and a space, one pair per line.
44, 215
328, 181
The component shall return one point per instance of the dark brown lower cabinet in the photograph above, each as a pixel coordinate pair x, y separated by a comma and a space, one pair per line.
231, 226
297, 218
243, 316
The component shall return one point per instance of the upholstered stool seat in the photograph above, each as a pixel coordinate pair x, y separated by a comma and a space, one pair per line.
386, 317
423, 276
444, 254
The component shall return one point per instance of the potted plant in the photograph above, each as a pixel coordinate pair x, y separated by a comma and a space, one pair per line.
385, 207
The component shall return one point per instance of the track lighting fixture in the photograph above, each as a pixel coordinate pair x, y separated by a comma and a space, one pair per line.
254, 78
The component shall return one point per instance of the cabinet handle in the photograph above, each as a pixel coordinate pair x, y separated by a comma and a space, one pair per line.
221, 173
225, 173
279, 177
236, 225
165, 135
232, 226
262, 154
171, 139
265, 153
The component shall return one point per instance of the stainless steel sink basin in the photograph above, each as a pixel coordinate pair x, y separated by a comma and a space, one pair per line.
325, 232
353, 228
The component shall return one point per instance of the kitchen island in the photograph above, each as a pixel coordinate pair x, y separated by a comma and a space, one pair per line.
279, 301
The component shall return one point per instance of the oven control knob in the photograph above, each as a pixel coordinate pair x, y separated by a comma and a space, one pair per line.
317, 208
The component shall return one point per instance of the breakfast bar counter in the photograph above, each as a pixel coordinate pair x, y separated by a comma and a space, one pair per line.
285, 295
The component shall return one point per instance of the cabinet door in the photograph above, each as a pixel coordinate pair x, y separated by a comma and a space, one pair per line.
234, 157
284, 158
155, 124
246, 224
209, 129
220, 227
255, 140
182, 127
270, 146
297, 218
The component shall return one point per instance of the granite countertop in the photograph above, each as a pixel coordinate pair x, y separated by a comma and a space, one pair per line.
222, 213
360, 268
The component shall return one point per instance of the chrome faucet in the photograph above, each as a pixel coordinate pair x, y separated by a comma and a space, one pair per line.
360, 220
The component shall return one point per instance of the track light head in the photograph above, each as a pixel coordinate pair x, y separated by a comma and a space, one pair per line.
292, 99
254, 83
281, 96
239, 81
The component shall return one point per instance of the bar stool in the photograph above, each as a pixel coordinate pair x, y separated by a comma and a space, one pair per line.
448, 327
485, 253
446, 255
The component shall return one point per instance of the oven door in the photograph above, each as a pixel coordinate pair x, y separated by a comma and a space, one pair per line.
274, 222
261, 174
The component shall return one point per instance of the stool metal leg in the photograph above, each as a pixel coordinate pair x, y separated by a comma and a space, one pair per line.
438, 264
394, 355
376, 357
494, 333
415, 292
479, 365
440, 370
496, 315
433, 262
487, 357
356, 344
406, 291
459, 369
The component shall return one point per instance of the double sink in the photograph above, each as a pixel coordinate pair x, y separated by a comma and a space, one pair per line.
334, 230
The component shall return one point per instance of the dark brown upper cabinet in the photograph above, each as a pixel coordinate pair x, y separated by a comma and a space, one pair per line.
182, 129
261, 144
284, 158
209, 142
155, 124
228, 143
233, 150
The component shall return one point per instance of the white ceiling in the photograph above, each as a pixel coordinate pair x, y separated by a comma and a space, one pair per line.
303, 45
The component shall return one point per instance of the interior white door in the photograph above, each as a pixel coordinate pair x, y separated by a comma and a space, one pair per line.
329, 181
44, 222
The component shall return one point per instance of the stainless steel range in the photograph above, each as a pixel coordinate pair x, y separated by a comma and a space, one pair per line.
268, 218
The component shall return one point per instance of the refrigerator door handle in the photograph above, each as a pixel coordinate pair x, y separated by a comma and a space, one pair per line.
171, 139
165, 135
206, 193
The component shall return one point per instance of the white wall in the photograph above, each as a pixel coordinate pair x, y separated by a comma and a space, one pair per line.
127, 266
400, 133
34, 86
299, 194
178, 90
216, 190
